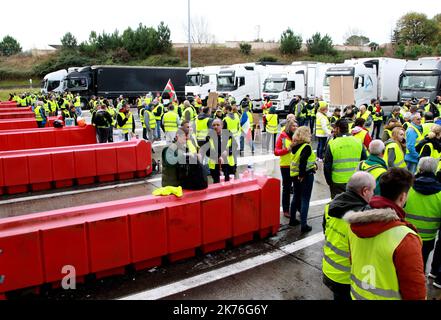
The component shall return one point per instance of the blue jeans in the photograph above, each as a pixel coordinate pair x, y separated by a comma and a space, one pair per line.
158, 129
303, 190
321, 147
411, 166
242, 142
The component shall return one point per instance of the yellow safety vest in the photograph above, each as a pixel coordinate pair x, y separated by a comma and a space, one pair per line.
202, 129
38, 116
170, 121
399, 154
295, 161
420, 136
162, 113
272, 123
129, 124
230, 158
318, 125
233, 125
285, 161
346, 153
152, 120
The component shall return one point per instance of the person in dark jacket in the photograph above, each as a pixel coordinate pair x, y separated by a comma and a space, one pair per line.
434, 138
359, 192
102, 120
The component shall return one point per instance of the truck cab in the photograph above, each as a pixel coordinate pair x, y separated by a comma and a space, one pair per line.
53, 82
421, 79
201, 81
363, 81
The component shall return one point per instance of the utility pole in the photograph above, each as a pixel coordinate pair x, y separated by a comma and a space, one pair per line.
189, 36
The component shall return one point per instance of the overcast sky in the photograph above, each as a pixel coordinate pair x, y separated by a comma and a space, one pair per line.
35, 24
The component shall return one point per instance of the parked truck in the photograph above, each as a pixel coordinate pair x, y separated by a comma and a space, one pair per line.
240, 80
357, 81
53, 82
131, 82
300, 78
201, 81
421, 79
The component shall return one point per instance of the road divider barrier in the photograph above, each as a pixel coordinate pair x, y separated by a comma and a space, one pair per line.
23, 123
103, 239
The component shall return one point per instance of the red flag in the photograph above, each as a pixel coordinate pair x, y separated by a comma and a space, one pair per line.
171, 90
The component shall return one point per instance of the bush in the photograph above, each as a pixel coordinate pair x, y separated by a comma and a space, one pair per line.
9, 46
63, 61
290, 43
320, 46
245, 48
438, 50
160, 60
121, 55
267, 59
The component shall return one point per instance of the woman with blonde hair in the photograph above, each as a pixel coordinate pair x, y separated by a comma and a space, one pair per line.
303, 167
395, 149
431, 145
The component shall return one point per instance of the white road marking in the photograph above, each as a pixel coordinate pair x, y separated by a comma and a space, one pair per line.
224, 272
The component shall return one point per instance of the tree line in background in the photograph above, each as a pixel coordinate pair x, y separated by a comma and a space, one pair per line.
414, 35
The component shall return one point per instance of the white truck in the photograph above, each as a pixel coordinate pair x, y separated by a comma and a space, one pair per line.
53, 82
303, 78
240, 80
357, 81
201, 81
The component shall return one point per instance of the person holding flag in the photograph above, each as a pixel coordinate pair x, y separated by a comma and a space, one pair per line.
170, 90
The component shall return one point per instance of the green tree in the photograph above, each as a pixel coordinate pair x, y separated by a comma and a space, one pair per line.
245, 48
357, 40
320, 46
9, 46
290, 43
415, 28
164, 42
68, 41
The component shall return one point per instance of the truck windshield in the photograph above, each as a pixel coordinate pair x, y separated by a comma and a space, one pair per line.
419, 82
274, 86
76, 83
225, 83
53, 85
193, 80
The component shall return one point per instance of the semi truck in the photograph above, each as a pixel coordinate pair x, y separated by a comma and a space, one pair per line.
301, 78
201, 81
421, 79
240, 80
130, 82
53, 82
358, 81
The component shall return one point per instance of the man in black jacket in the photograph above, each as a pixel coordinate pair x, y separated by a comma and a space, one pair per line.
102, 120
336, 274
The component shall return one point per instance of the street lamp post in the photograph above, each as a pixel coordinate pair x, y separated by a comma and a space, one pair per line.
189, 37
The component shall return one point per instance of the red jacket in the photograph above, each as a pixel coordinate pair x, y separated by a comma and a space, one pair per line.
280, 149
408, 259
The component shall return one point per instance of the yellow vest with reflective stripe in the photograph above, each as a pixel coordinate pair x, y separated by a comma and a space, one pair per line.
336, 264
365, 115
152, 120
141, 117
272, 123
129, 124
433, 152
192, 115
170, 121
162, 113
37, 111
202, 129
373, 273
376, 171
318, 125
285, 161
77, 102
233, 125
399, 154
424, 212
426, 128
361, 135
295, 161
112, 112
346, 153
230, 158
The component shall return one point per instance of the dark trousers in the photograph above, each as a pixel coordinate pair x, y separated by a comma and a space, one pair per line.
226, 169
40, 124
126, 136
321, 147
103, 135
286, 188
436, 262
303, 191
111, 134
311, 122
342, 292
337, 188
427, 249
144, 133
377, 129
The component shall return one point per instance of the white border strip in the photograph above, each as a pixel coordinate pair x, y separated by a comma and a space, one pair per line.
225, 272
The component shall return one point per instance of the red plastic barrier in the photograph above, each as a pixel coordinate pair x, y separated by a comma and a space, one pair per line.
17, 114
31, 169
104, 238
24, 123
46, 137
8, 104
15, 109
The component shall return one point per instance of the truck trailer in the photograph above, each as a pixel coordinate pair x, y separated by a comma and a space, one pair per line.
358, 81
421, 79
130, 82
201, 81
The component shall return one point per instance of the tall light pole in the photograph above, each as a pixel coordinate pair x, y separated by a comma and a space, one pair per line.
189, 36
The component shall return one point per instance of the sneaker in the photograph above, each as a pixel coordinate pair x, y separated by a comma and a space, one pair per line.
294, 223
437, 283
287, 215
431, 275
306, 228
